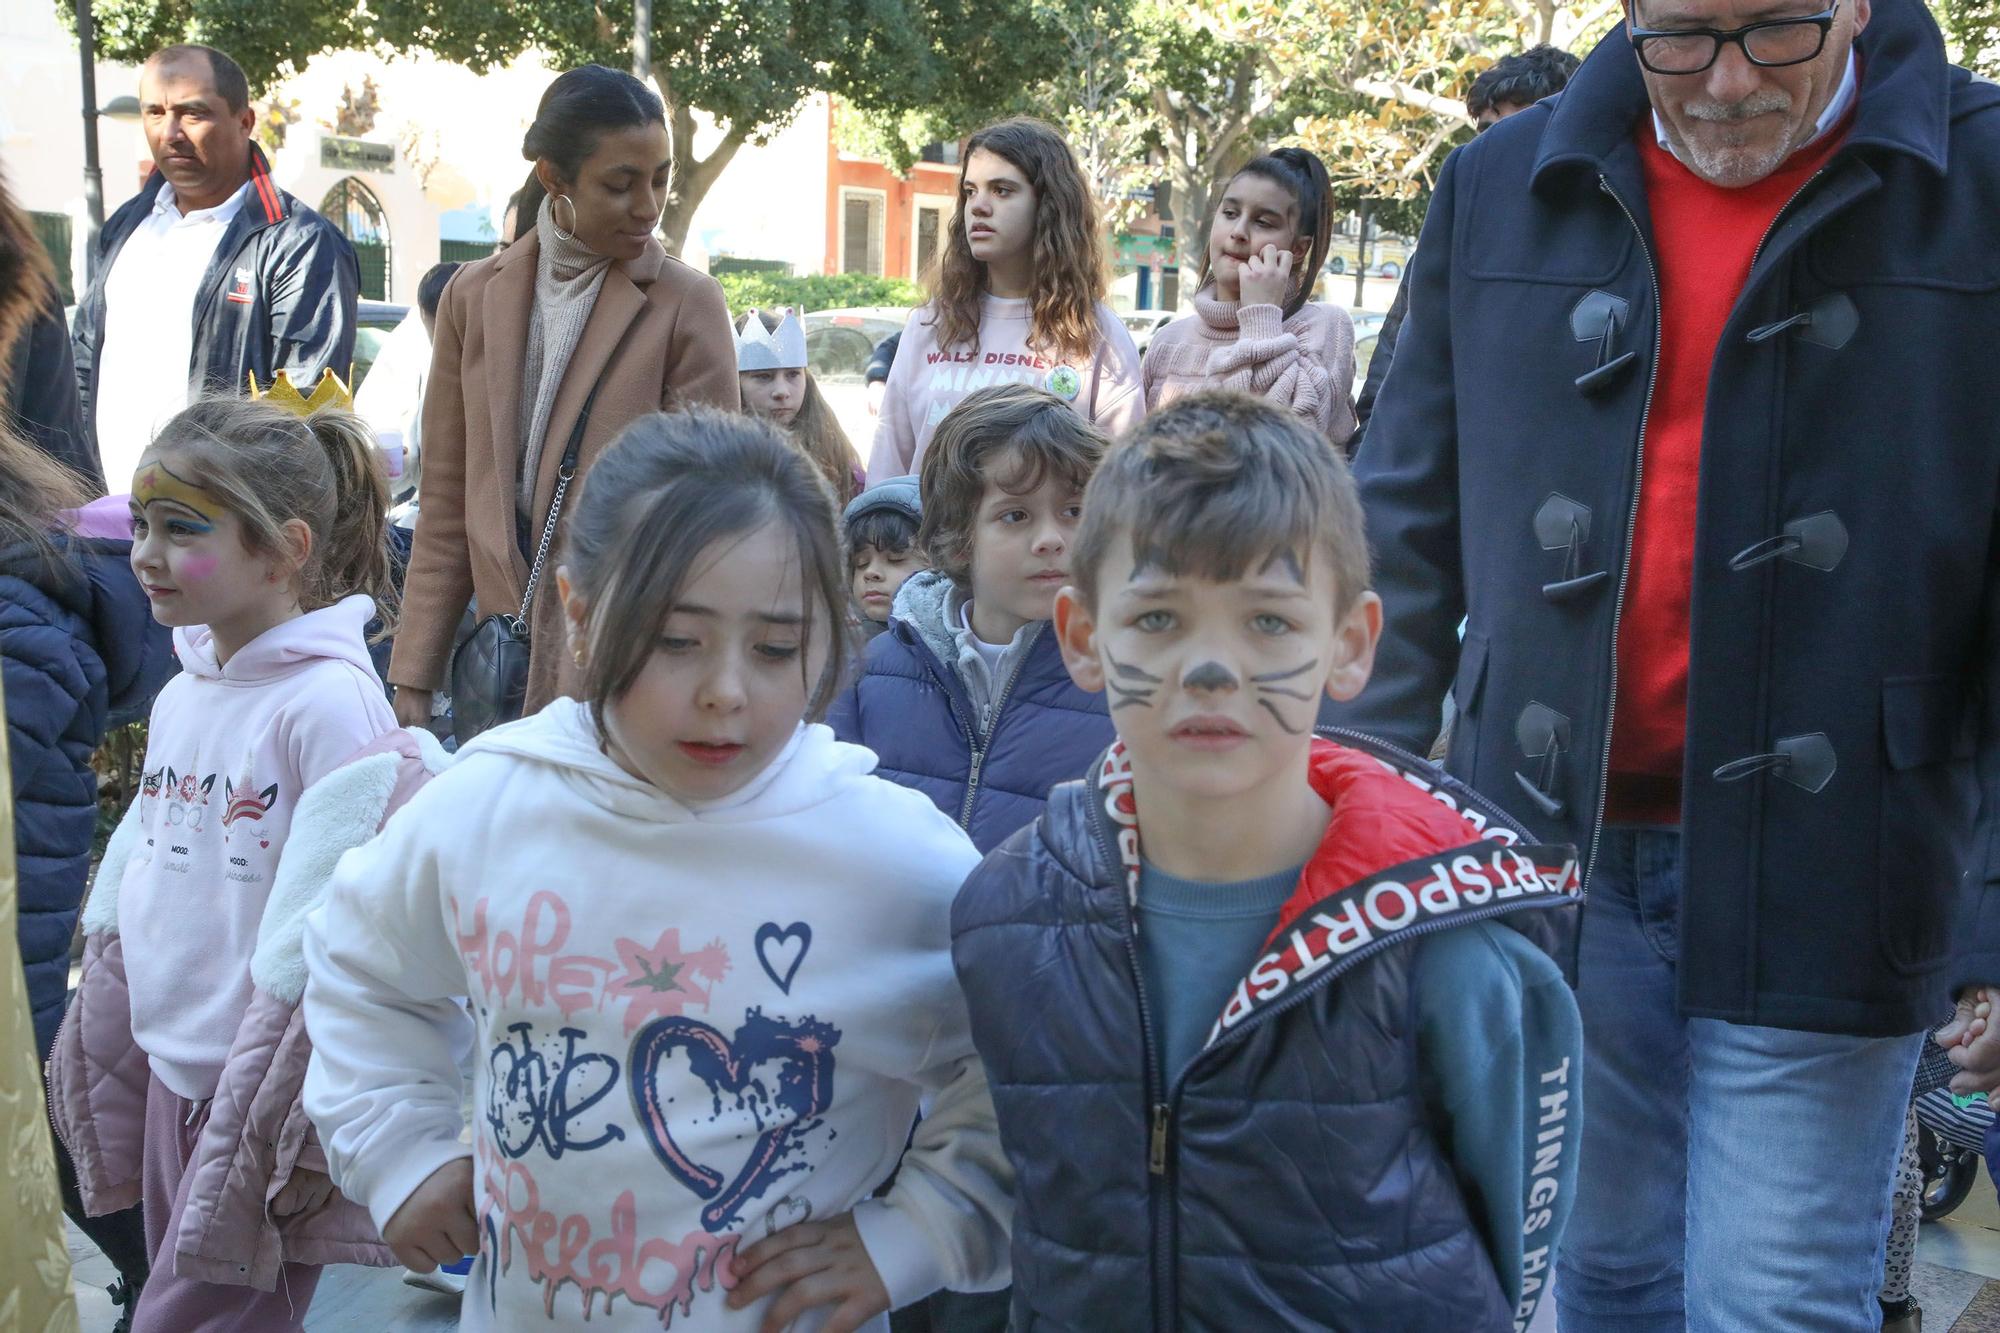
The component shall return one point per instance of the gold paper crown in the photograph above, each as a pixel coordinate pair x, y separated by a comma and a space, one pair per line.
330, 393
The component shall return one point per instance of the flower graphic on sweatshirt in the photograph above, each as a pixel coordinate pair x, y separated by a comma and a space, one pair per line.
661, 981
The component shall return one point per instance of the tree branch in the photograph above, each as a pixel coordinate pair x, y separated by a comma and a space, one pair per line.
1388, 90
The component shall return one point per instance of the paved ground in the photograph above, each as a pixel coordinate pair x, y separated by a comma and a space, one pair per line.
1957, 1283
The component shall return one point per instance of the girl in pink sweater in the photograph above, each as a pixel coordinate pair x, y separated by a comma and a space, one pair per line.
1018, 299
261, 538
1254, 328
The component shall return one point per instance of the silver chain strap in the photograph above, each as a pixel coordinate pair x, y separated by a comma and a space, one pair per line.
548, 538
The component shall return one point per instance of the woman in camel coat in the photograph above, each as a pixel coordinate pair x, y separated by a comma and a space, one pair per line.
584, 297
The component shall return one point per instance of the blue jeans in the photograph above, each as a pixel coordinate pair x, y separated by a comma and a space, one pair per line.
1732, 1177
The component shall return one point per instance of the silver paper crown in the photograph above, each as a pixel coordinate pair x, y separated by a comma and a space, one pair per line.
782, 348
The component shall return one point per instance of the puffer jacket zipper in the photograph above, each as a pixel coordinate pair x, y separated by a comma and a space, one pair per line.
983, 739
1159, 1119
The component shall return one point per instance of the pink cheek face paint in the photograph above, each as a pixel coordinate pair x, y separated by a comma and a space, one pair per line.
197, 568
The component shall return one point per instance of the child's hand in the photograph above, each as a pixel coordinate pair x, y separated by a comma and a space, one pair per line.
436, 1225
306, 1192
810, 1265
1266, 278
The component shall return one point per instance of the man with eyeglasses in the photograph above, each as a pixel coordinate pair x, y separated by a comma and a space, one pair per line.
1694, 425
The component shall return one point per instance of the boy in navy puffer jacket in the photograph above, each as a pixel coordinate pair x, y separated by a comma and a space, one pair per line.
1274, 1023
965, 697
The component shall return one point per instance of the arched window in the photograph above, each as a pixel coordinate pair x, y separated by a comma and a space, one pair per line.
355, 211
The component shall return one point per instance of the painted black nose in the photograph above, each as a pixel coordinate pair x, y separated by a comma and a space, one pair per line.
1209, 676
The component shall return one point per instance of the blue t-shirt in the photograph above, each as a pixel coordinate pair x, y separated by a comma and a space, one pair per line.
1196, 941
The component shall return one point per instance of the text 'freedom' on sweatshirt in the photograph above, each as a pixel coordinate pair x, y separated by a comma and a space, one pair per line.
696, 1025
927, 381
231, 748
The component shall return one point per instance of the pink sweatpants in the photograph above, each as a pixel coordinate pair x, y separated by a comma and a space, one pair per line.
174, 1304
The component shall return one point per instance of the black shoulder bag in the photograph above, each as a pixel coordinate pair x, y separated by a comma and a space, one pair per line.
489, 672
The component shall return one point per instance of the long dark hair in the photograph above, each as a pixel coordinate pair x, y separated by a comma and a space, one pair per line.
576, 111
1305, 176
1069, 251
671, 486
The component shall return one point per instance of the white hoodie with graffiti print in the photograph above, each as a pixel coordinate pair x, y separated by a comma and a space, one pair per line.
696, 1026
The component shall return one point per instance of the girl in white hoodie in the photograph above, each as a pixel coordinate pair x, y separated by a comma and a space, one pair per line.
707, 952
260, 537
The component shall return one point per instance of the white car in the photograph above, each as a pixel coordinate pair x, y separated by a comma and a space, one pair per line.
1143, 324
838, 345
1367, 330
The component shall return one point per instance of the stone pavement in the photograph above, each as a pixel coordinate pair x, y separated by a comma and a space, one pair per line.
1957, 1282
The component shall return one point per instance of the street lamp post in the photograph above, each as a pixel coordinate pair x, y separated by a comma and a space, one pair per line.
93, 174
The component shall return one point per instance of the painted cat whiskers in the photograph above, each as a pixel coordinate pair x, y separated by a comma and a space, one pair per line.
1267, 684
1140, 694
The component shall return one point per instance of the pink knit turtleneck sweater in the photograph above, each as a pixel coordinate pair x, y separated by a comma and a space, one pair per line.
1305, 363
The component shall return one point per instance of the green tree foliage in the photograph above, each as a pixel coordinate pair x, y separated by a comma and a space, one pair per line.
814, 291
749, 64
1972, 33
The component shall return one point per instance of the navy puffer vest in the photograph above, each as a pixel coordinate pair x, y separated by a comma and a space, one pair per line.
1289, 1179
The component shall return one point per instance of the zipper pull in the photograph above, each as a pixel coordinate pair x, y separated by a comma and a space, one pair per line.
1156, 1158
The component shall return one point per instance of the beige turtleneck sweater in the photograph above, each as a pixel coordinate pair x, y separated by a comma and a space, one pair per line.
1305, 363
568, 275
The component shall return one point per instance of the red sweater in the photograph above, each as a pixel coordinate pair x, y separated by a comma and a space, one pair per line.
1704, 237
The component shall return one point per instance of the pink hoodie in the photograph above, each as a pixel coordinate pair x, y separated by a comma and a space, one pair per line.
230, 751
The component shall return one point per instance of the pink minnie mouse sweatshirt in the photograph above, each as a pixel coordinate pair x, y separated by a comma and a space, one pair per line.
231, 748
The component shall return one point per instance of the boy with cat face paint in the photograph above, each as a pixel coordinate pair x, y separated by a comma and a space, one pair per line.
1276, 1024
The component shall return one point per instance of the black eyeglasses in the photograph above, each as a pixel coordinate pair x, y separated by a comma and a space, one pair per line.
1773, 44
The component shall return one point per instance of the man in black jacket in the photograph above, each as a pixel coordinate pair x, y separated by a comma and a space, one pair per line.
1693, 429
210, 275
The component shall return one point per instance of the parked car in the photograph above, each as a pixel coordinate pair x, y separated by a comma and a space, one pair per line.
375, 321
1388, 256
1143, 324
838, 345
1367, 330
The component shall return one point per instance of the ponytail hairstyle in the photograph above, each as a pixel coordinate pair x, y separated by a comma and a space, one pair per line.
669, 488
576, 111
270, 466
1304, 176
34, 490
816, 430
1068, 254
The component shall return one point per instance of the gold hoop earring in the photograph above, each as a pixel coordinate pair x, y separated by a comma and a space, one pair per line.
569, 235
577, 655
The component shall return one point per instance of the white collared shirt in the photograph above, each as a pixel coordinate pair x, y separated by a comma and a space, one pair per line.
145, 358
1843, 99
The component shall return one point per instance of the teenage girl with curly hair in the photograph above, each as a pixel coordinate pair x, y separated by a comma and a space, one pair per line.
1018, 297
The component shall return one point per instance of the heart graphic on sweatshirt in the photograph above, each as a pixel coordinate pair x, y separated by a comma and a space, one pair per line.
782, 951
787, 1212
774, 1078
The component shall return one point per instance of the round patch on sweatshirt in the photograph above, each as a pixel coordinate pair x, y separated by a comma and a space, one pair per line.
1065, 383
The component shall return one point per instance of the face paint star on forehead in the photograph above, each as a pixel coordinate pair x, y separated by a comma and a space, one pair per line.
157, 482
1140, 692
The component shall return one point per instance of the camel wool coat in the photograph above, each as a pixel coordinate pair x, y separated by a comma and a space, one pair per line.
659, 338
